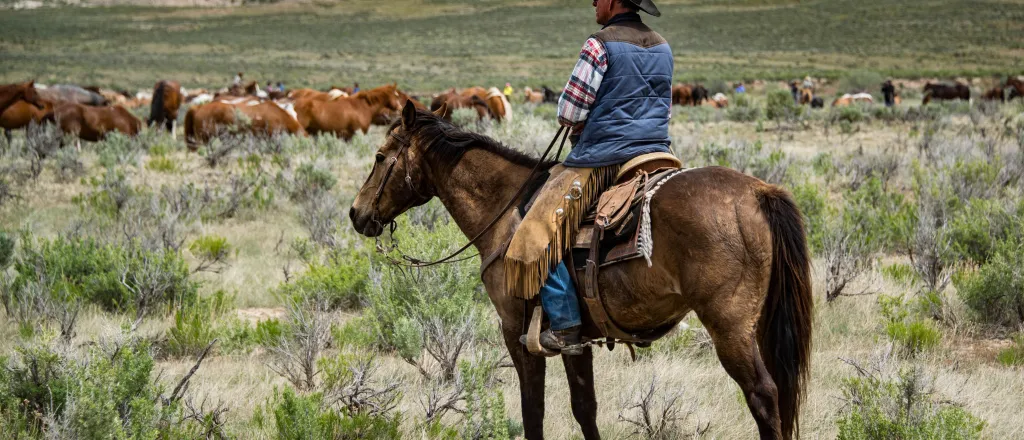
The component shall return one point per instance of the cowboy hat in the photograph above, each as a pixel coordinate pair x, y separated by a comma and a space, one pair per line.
647, 6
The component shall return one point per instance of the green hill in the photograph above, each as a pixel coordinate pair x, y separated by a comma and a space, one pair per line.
432, 44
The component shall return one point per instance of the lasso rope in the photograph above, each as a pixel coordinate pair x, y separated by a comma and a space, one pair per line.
645, 244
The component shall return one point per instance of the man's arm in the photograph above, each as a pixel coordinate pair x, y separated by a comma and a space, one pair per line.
581, 90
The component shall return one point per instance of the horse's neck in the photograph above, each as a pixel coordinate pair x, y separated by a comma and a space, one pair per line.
475, 191
8, 95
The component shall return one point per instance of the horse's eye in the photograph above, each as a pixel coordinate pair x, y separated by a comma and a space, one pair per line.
380, 158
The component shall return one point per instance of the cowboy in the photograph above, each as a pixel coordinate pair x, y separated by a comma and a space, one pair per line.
238, 79
616, 105
508, 91
355, 88
889, 93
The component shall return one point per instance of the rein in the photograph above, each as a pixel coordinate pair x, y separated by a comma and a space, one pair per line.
413, 262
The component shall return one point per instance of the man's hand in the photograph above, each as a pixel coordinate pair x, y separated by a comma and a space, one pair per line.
578, 128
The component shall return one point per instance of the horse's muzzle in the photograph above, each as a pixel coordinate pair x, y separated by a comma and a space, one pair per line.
364, 224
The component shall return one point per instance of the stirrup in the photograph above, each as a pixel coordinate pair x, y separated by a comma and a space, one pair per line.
532, 337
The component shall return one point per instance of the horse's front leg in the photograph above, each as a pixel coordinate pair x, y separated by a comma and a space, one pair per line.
530, 370
579, 370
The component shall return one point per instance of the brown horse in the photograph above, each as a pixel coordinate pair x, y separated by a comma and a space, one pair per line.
317, 95
498, 107
806, 96
92, 124
451, 100
166, 102
944, 92
994, 94
727, 246
347, 115
206, 121
1016, 87
21, 114
682, 94
11, 93
531, 96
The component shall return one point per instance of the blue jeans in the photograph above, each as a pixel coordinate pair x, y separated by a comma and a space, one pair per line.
558, 297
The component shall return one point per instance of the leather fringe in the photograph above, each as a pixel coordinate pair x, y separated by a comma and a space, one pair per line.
525, 279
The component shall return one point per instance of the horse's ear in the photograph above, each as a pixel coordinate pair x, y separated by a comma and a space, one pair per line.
442, 110
408, 115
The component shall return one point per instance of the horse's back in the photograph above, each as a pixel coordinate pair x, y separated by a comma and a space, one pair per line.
708, 232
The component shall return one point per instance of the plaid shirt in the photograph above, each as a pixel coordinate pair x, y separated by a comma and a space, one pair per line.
581, 91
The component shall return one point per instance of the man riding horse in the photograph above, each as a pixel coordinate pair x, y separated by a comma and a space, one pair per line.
617, 103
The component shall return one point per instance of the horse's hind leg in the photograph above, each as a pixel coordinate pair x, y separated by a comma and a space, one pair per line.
734, 343
579, 370
530, 370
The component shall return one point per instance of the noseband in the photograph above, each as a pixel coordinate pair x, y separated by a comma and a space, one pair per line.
403, 149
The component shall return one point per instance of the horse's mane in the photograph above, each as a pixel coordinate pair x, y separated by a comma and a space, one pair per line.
447, 142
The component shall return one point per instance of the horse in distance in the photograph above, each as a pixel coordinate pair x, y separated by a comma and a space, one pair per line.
167, 100
263, 119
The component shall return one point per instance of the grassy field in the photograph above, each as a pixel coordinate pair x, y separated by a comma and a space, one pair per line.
428, 45
918, 204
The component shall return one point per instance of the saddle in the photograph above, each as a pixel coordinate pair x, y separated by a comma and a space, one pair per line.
610, 234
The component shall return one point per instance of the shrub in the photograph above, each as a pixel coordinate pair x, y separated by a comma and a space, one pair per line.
1013, 356
300, 417
975, 229
996, 291
813, 206
738, 113
883, 218
780, 106
430, 308
913, 335
311, 181
653, 413
125, 278
117, 149
341, 281
901, 409
485, 416
212, 251
858, 81
354, 333
899, 273
6, 250
162, 164
104, 393
236, 336
192, 332
851, 114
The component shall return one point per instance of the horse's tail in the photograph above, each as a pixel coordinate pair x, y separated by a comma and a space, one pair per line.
156, 108
784, 330
190, 126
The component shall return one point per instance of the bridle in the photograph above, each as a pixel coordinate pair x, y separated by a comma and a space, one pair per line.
407, 261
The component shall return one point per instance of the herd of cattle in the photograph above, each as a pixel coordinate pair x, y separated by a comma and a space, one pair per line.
91, 113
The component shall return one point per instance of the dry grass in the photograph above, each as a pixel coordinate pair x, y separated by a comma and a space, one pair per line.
849, 328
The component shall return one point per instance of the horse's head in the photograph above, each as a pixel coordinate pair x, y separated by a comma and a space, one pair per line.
399, 179
31, 96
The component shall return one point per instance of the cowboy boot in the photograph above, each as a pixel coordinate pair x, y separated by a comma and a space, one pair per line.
566, 341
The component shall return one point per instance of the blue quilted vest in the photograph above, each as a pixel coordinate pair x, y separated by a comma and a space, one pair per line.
630, 115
